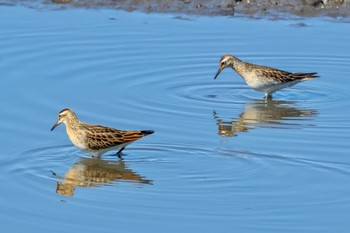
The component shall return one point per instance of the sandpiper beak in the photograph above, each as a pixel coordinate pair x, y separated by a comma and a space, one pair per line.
55, 125
217, 73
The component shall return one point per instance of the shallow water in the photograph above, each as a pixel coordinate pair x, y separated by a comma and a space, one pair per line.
222, 159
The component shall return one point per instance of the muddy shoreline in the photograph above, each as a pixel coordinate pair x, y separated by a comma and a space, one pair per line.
256, 8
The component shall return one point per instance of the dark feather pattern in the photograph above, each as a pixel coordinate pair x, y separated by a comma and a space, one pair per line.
99, 137
283, 76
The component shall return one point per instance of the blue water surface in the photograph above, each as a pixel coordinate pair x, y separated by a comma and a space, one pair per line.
222, 159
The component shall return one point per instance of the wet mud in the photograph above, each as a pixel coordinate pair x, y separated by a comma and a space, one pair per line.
256, 8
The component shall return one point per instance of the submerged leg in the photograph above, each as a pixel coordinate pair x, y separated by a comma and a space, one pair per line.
268, 96
119, 153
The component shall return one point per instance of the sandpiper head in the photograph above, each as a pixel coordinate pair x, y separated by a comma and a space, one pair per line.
63, 115
226, 61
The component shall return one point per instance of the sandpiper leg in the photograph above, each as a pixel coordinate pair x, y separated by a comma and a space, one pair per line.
268, 96
119, 153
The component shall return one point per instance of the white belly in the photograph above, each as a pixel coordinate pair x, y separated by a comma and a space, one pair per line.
97, 153
267, 86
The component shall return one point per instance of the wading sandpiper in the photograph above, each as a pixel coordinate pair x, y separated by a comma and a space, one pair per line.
96, 139
263, 78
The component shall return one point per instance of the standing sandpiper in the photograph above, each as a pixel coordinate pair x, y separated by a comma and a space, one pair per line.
263, 78
96, 139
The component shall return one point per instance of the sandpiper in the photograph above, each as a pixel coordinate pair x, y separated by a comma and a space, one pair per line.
263, 78
96, 139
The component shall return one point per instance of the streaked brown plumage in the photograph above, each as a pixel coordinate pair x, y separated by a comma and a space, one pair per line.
96, 139
263, 78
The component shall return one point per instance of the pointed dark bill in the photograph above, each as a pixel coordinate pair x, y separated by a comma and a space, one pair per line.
55, 125
217, 73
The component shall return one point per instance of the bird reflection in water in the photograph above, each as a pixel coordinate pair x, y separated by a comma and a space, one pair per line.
266, 113
94, 172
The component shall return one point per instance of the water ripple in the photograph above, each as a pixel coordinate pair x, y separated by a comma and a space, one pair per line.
288, 162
